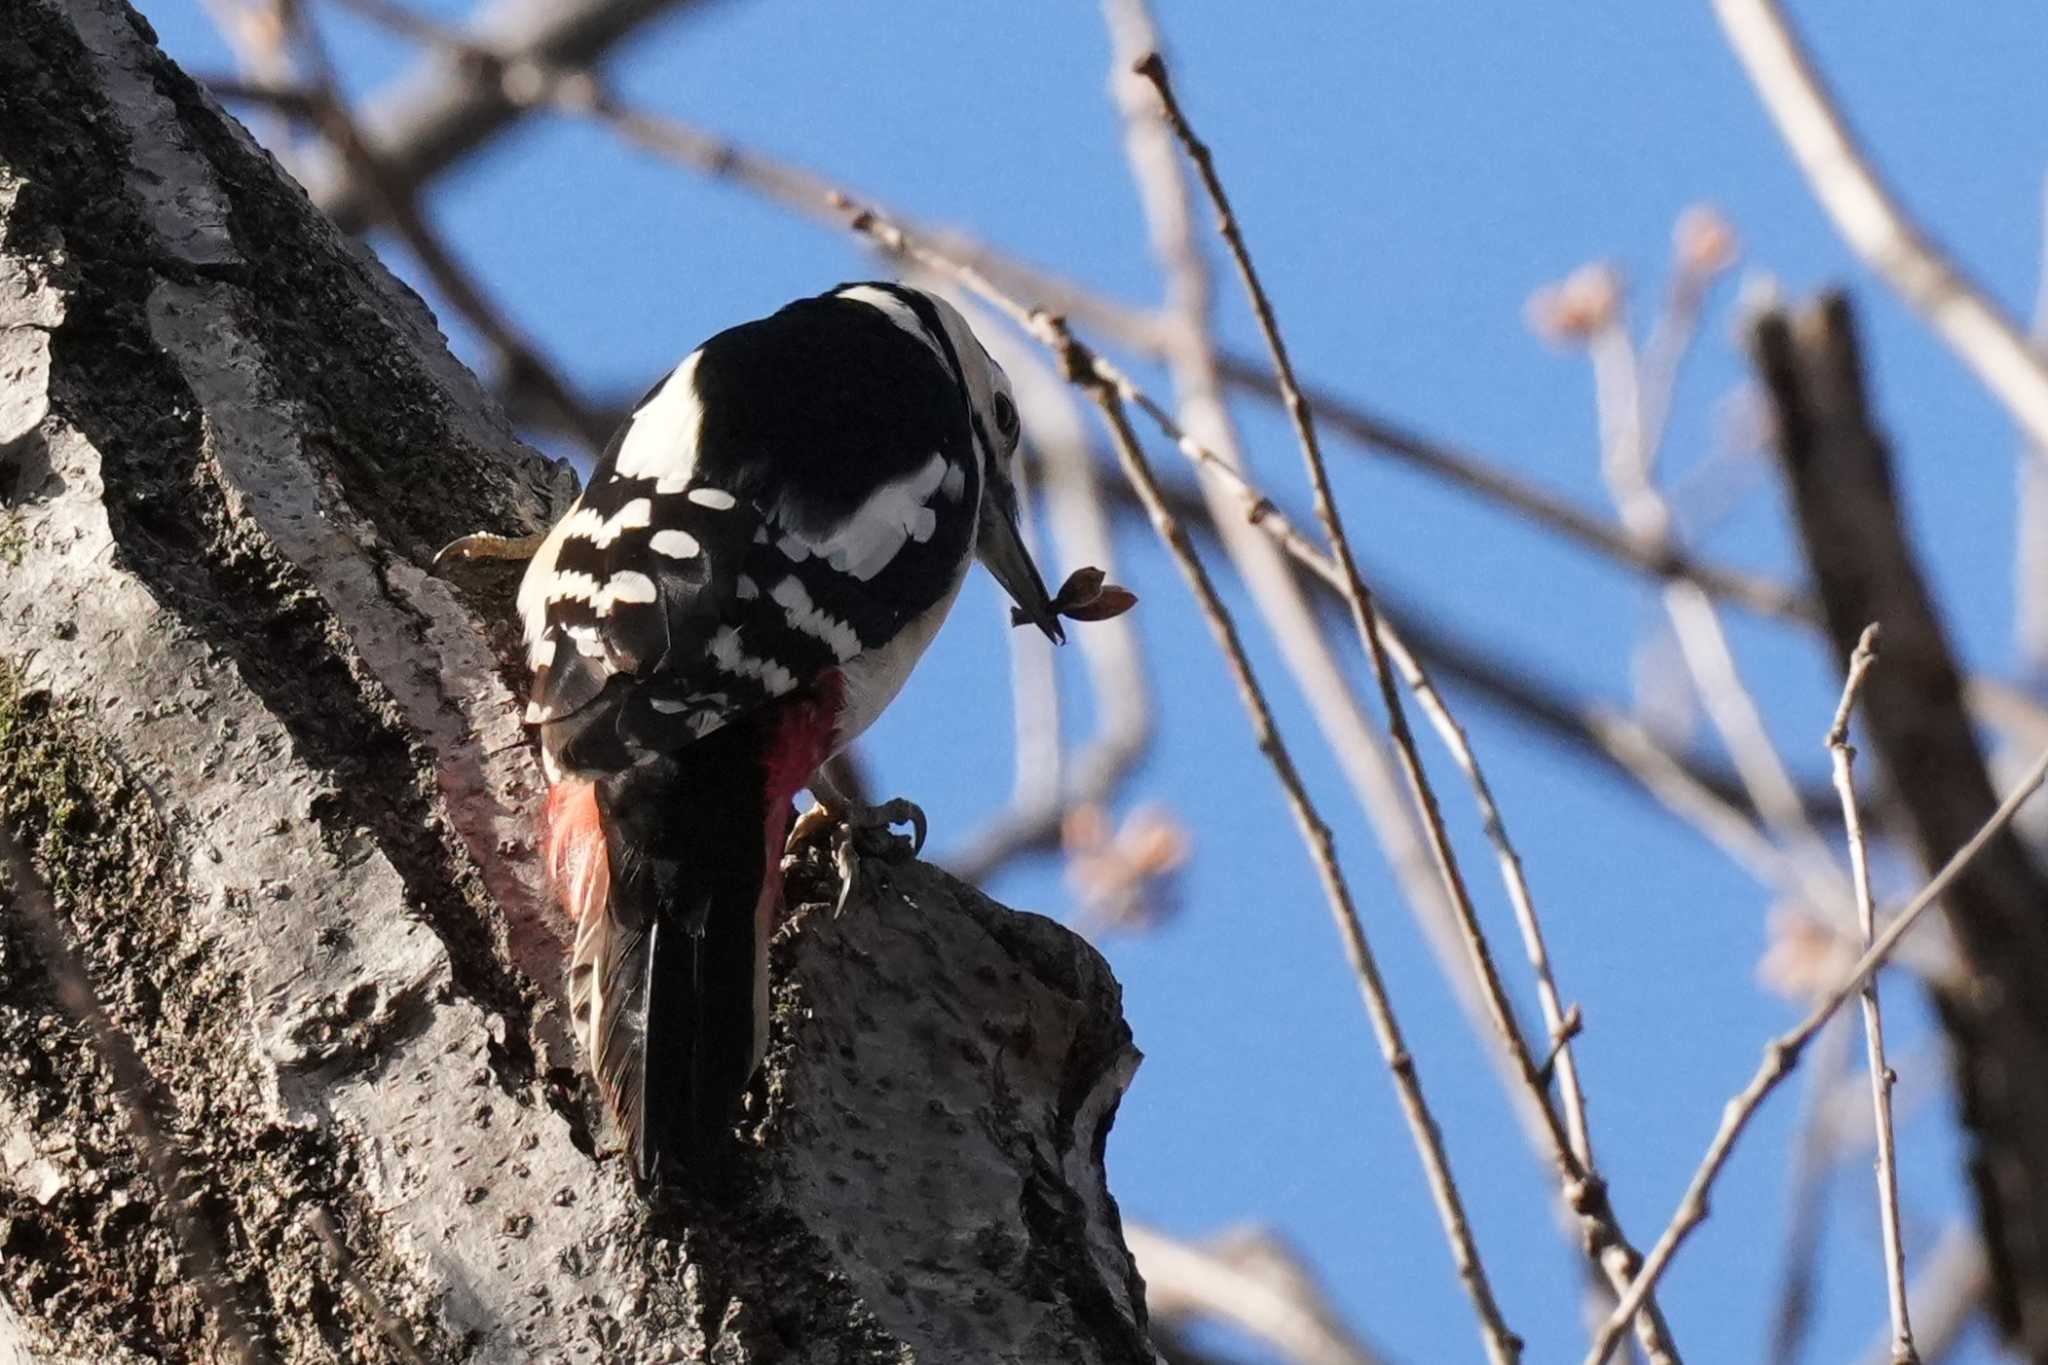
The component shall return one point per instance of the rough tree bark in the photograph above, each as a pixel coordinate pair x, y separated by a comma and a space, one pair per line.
271, 772
1839, 466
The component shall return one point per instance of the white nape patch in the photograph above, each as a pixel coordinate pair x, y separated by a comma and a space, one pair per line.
954, 485
865, 542
540, 653
675, 544
727, 654
626, 586
804, 615
747, 588
717, 499
661, 440
898, 312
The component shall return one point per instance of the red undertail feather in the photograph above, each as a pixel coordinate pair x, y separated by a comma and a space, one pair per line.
671, 871
572, 851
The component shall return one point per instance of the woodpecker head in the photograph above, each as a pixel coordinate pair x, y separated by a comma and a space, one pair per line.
1000, 538
992, 409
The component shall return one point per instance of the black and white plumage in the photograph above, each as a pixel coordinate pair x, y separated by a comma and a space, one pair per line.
763, 552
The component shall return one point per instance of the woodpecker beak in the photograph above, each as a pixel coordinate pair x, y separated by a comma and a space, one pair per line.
1000, 544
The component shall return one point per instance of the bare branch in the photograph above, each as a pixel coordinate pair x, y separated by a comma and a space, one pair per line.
1873, 222
1573, 1152
398, 202
1949, 1294
1068, 477
561, 86
1843, 755
432, 118
1839, 467
1782, 1054
1815, 1156
1502, 1345
1630, 439
1251, 1281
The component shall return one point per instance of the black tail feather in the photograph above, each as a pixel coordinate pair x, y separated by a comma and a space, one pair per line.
674, 1032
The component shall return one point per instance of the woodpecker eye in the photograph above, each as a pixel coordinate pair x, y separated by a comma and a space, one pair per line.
1006, 416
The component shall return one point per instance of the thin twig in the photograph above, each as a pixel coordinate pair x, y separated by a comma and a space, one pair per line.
526, 81
1950, 1293
2030, 529
133, 1086
1501, 1343
1574, 1152
1871, 219
1630, 439
1590, 1201
1233, 511
397, 201
424, 123
1782, 1053
1251, 1281
1843, 756
1815, 1155
1069, 480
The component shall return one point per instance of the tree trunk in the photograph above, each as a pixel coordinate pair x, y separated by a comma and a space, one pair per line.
271, 773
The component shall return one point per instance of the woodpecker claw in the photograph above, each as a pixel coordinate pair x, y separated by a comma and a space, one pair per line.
848, 862
898, 811
859, 831
809, 824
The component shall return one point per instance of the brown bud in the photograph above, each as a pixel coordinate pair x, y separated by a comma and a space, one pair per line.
1703, 242
1577, 306
1111, 601
1085, 597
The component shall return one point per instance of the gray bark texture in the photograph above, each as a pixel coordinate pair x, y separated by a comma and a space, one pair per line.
270, 773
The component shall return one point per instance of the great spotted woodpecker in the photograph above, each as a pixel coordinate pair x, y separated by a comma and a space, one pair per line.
761, 555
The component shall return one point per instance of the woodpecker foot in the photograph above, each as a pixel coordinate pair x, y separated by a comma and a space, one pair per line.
859, 831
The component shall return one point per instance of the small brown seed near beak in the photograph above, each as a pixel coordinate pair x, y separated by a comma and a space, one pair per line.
1085, 596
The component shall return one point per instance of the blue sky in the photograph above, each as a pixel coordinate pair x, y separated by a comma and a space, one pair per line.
1407, 174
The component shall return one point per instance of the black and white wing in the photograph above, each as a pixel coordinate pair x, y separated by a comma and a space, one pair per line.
796, 495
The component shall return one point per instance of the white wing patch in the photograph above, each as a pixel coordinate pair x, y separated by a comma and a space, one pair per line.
727, 654
661, 442
627, 586
675, 544
865, 542
568, 584
805, 616
717, 499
